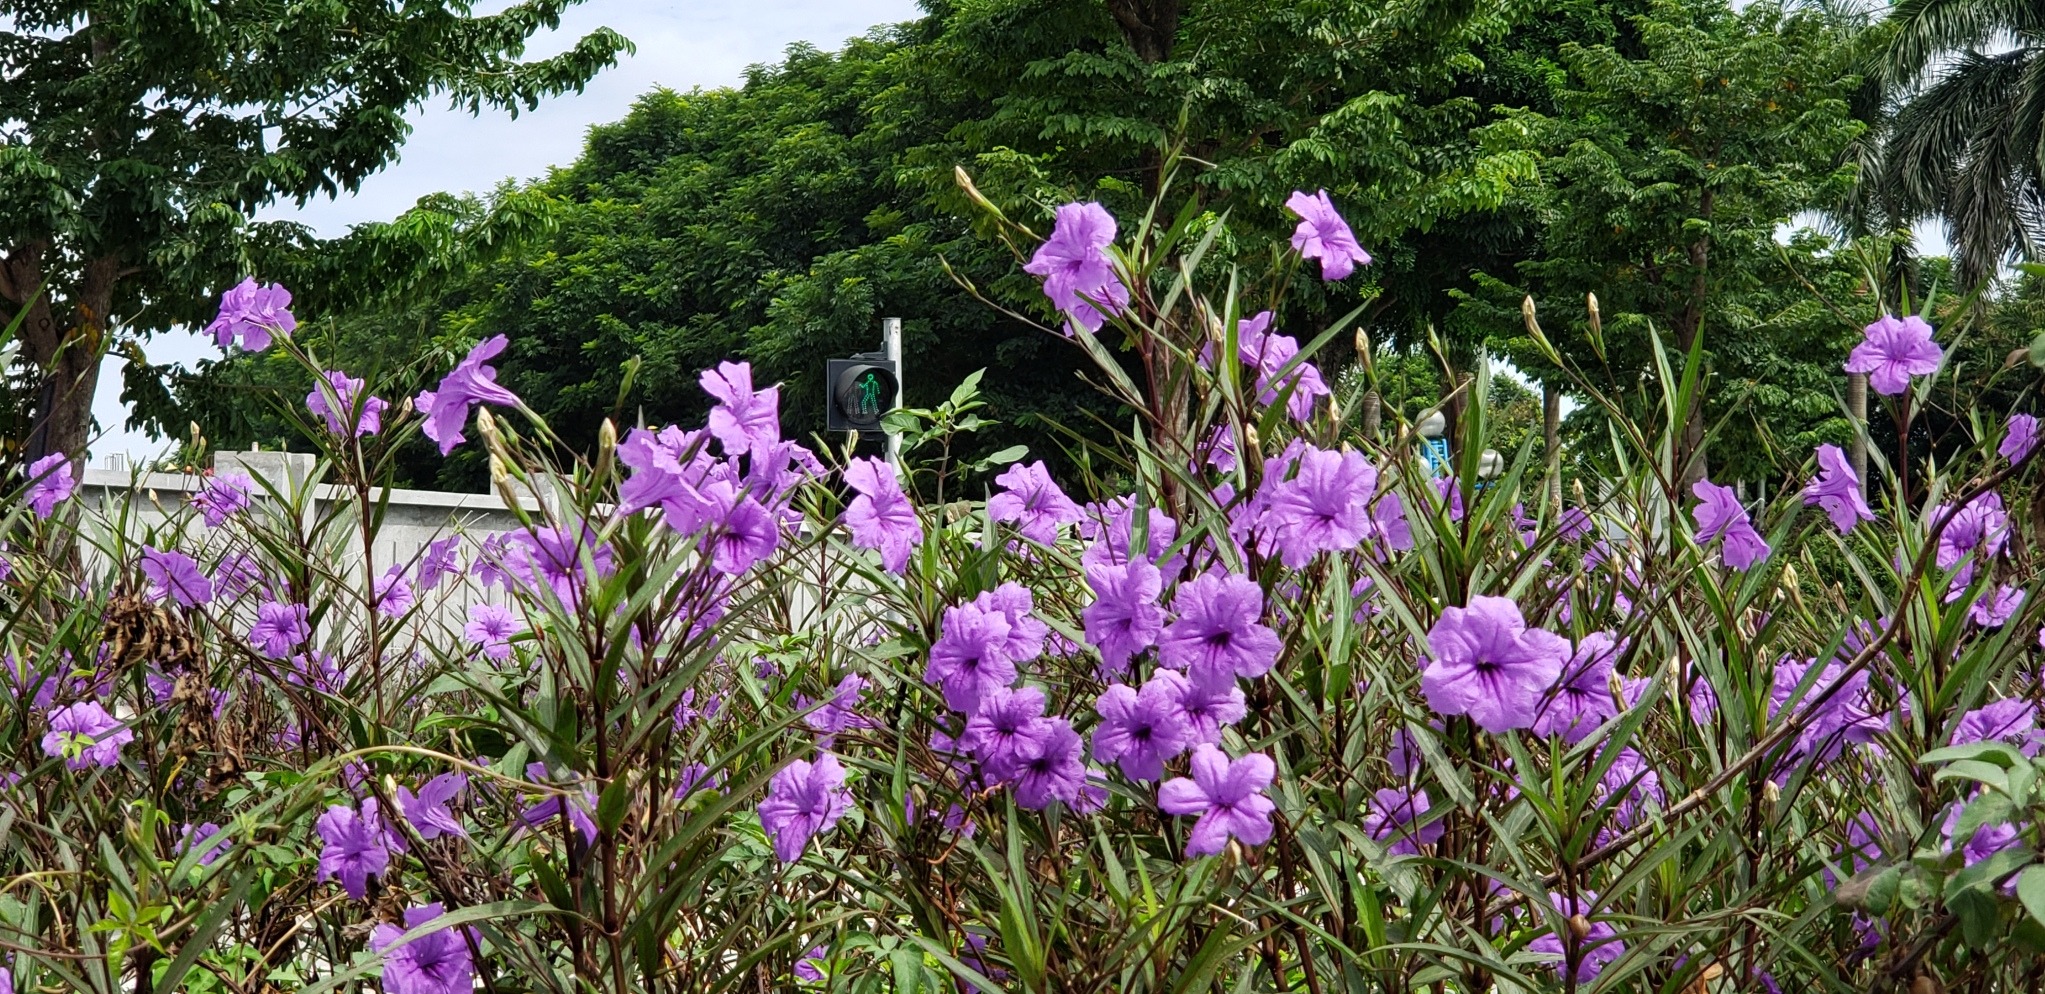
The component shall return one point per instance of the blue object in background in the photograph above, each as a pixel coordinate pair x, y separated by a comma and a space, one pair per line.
1436, 452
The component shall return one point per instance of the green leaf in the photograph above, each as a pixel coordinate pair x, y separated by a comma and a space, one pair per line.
614, 804
2031, 891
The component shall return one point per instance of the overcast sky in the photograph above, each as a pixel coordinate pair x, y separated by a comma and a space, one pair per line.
682, 44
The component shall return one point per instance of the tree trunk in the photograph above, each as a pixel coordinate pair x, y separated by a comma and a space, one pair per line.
1150, 26
64, 343
1551, 436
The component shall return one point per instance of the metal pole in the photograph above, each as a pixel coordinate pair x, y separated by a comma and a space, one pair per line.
891, 339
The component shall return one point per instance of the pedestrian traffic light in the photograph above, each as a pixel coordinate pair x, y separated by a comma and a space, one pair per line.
861, 391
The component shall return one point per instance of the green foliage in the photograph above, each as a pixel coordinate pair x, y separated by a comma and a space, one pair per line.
143, 137
1669, 166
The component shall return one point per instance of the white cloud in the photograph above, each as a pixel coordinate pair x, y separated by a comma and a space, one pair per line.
681, 44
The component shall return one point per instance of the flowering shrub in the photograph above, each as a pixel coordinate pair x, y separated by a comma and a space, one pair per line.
1264, 705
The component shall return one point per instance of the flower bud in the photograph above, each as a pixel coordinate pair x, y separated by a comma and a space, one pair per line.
500, 477
1770, 792
606, 447
1362, 345
1579, 928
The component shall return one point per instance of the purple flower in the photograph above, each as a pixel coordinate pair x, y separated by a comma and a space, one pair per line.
1217, 635
1124, 618
881, 517
803, 800
1836, 488
1005, 721
84, 735
208, 839
2011, 718
490, 628
2019, 438
1719, 515
1079, 277
841, 711
439, 560
576, 806
1979, 526
1996, 609
50, 481
1033, 501
1986, 841
967, 661
394, 592
446, 409
1208, 706
358, 846
810, 968
1582, 699
1026, 635
427, 810
173, 576
1049, 767
1323, 235
236, 574
1227, 796
335, 401
1573, 525
1270, 355
1630, 779
742, 531
438, 962
1598, 948
1484, 662
1141, 729
1111, 527
223, 497
695, 776
279, 628
1391, 816
745, 420
1895, 350
1324, 507
253, 313
1847, 717
553, 558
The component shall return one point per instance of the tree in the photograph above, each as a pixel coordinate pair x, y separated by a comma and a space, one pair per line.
1665, 174
140, 138
1967, 141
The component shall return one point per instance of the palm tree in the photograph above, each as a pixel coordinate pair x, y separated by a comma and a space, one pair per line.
1966, 141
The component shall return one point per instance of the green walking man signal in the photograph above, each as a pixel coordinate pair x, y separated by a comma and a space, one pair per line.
860, 391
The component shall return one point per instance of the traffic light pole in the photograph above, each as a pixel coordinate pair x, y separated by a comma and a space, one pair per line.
891, 337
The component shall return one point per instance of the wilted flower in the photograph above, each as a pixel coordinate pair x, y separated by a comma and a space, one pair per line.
438, 962
1032, 500
804, 800
1893, 351
85, 735
1079, 277
1836, 488
446, 409
1719, 515
253, 313
1323, 235
335, 401
881, 517
1486, 663
50, 482
1227, 796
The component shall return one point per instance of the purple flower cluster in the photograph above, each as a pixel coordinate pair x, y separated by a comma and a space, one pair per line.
253, 313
